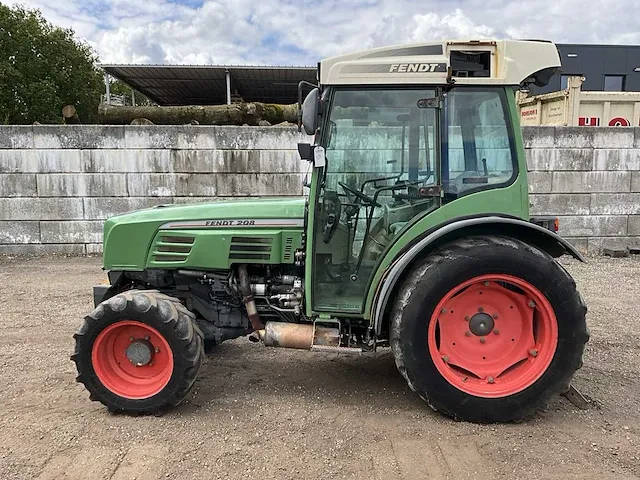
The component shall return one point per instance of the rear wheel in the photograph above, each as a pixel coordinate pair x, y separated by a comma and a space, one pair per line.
139, 352
488, 329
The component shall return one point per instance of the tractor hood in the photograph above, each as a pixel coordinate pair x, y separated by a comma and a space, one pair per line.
128, 237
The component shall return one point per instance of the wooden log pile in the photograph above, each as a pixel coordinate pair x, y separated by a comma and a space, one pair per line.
249, 113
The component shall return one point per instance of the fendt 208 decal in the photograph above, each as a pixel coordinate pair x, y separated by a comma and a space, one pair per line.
261, 222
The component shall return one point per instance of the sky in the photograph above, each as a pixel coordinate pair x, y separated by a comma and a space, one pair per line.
302, 32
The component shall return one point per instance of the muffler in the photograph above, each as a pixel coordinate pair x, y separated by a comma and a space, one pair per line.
298, 335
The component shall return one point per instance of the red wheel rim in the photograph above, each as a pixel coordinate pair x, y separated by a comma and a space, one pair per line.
116, 370
493, 336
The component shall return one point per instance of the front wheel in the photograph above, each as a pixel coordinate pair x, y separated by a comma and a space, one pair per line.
488, 329
139, 352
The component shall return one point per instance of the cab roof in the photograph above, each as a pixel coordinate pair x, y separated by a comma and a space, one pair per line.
465, 62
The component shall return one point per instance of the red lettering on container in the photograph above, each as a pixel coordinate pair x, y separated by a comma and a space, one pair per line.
589, 121
619, 122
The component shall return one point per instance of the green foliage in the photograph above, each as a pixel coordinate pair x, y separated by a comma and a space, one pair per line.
43, 68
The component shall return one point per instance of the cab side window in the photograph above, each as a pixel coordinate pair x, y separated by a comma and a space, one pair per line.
479, 142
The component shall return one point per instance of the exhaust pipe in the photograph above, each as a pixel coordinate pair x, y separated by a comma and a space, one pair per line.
298, 335
247, 298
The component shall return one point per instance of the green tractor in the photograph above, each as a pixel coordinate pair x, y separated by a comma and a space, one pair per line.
415, 235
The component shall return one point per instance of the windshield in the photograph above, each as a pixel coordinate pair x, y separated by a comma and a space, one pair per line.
376, 134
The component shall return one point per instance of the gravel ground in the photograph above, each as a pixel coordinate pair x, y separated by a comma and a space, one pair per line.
266, 413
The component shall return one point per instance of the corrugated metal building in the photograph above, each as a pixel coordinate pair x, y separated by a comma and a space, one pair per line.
213, 84
605, 68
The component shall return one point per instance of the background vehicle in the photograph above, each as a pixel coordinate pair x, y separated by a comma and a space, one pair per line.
416, 234
578, 108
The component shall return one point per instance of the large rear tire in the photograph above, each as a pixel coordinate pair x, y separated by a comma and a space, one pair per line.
139, 352
488, 329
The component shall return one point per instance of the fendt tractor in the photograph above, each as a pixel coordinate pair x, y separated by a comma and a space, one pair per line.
415, 236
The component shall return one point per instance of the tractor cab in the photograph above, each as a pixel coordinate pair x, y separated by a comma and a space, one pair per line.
403, 133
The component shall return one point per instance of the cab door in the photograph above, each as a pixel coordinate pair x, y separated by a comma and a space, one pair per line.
382, 171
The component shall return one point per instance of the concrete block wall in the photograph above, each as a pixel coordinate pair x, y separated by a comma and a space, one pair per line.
59, 183
590, 178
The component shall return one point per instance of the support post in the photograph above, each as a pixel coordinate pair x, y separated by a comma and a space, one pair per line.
228, 78
107, 87
133, 97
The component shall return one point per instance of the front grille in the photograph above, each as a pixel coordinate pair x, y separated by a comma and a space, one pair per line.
288, 249
251, 248
172, 248
174, 239
169, 258
252, 240
249, 256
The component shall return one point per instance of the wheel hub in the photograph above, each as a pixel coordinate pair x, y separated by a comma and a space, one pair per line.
481, 324
140, 352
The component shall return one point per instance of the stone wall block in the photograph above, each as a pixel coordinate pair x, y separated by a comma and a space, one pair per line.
19, 232
82, 185
593, 226
41, 208
16, 136
560, 204
585, 182
71, 231
78, 136
17, 184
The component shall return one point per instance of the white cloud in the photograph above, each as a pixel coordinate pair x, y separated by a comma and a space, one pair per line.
297, 32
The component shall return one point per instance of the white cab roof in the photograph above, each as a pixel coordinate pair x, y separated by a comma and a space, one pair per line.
511, 62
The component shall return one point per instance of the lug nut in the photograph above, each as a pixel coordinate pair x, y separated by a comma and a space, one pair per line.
468, 333
531, 303
157, 349
445, 359
151, 363
131, 339
146, 337
486, 284
495, 316
482, 340
490, 379
533, 352
496, 331
466, 319
444, 310
480, 309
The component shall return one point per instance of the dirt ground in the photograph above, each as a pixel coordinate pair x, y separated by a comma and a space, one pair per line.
266, 413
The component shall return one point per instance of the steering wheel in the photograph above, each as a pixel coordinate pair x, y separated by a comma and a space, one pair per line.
357, 193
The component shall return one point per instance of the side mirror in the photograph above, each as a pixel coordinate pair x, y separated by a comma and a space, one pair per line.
310, 112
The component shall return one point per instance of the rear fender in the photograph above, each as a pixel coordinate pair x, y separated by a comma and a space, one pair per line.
527, 232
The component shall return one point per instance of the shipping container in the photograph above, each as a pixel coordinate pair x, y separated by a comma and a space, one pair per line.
574, 107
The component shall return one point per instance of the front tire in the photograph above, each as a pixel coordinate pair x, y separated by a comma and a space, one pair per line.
139, 352
488, 329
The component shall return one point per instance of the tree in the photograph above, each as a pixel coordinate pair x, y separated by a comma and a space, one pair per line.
43, 68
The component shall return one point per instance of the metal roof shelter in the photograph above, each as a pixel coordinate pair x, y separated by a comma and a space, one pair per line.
213, 85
